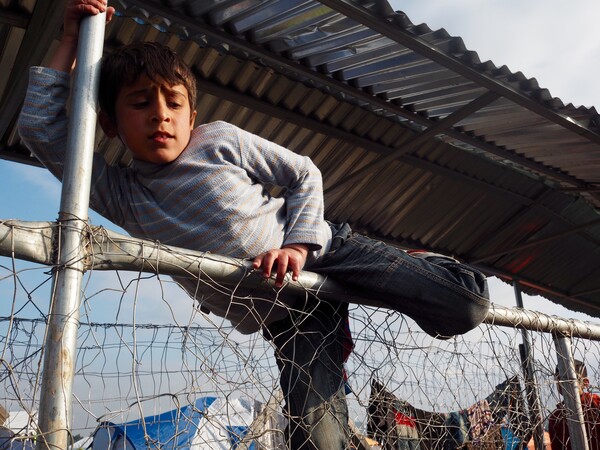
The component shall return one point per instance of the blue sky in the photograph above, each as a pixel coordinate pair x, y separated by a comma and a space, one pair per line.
553, 41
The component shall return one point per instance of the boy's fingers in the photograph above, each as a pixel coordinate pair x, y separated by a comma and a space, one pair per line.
259, 262
282, 267
295, 271
90, 6
292, 266
110, 12
266, 262
285, 260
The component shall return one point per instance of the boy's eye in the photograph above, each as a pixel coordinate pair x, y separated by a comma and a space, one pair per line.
140, 104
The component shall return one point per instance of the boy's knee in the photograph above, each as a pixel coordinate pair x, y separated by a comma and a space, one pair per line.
475, 313
460, 313
471, 315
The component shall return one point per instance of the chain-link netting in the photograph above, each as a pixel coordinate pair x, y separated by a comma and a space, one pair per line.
147, 354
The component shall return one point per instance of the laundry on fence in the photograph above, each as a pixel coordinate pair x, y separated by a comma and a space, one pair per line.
495, 422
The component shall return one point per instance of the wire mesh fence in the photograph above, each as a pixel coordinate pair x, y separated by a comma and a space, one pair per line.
145, 349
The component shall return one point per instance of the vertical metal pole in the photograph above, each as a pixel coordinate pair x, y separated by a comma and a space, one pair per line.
55, 415
569, 387
533, 399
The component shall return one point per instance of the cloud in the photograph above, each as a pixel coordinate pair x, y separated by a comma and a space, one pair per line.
553, 41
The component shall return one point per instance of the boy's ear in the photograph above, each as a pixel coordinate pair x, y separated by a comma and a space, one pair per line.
193, 119
108, 125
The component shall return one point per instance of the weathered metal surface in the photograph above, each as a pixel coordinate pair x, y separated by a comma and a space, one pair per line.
108, 250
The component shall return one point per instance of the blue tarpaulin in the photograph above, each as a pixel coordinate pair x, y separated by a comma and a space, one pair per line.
210, 423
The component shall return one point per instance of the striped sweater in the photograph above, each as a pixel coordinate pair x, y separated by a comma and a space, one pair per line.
212, 198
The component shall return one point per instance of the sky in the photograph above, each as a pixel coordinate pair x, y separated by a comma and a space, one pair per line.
554, 41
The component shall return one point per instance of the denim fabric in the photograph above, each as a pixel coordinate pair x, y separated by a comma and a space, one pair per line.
408, 444
309, 353
443, 296
457, 425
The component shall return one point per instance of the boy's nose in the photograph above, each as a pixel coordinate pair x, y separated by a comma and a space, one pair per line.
160, 117
160, 113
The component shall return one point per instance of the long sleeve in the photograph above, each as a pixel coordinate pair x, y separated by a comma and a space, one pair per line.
43, 121
270, 163
43, 127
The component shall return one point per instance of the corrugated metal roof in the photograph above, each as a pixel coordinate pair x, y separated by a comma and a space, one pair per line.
419, 142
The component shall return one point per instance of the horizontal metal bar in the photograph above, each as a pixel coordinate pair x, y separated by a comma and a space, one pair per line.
108, 250
540, 322
29, 241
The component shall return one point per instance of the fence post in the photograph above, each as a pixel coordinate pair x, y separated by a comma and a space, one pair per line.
533, 399
55, 415
569, 387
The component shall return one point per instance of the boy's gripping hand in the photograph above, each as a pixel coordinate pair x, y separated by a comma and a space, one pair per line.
288, 258
75, 10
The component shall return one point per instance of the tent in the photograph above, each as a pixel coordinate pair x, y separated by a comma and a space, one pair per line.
11, 441
16, 430
210, 423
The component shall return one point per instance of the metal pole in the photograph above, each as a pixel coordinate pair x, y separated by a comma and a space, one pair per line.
533, 399
109, 250
55, 416
543, 323
569, 387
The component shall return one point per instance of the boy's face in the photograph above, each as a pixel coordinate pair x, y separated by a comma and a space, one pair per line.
153, 119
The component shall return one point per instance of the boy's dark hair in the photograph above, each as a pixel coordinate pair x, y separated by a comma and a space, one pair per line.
127, 63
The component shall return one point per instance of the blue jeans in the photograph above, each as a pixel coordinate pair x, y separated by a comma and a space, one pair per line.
309, 349
443, 296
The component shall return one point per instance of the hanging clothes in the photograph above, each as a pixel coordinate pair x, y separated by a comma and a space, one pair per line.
498, 421
390, 421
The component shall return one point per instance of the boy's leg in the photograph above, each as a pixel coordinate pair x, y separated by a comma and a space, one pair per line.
443, 296
309, 352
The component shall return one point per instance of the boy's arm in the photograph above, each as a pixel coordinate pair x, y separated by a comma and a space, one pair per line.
64, 56
269, 163
43, 122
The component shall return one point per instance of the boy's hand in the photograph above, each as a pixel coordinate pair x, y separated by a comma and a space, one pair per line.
75, 10
289, 257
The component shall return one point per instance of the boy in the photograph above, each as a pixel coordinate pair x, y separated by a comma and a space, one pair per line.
203, 188
558, 427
